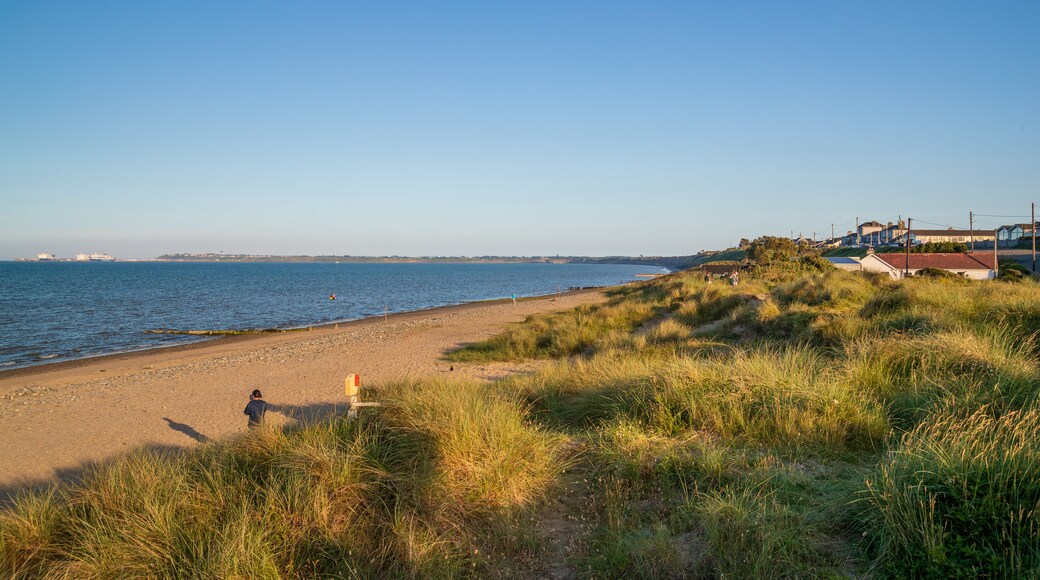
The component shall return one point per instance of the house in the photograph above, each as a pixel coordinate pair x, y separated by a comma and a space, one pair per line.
977, 266
948, 235
891, 233
1010, 234
951, 235
850, 264
873, 233
867, 228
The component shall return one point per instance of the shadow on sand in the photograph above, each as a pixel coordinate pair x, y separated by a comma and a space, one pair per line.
308, 414
186, 429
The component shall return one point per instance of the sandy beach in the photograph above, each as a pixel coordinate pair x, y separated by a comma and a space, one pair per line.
58, 419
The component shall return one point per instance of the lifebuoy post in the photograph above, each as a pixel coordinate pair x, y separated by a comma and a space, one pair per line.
352, 387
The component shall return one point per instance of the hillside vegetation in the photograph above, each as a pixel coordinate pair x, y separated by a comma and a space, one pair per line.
807, 423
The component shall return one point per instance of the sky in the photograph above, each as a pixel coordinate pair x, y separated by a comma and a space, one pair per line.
506, 128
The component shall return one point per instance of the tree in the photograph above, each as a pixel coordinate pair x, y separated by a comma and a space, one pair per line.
768, 250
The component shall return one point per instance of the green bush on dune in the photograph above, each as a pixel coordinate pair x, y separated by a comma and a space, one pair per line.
806, 423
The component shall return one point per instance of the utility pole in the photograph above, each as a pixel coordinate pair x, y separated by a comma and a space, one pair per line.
906, 272
996, 266
1032, 226
971, 230
832, 233
858, 241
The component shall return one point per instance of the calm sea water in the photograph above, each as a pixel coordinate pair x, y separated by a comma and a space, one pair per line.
58, 311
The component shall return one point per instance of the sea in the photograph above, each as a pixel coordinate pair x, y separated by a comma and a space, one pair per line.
57, 311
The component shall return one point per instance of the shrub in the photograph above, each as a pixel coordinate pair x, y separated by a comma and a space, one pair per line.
937, 273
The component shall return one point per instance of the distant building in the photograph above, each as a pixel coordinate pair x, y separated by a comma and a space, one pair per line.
95, 257
873, 233
977, 266
1010, 234
871, 227
948, 235
45, 257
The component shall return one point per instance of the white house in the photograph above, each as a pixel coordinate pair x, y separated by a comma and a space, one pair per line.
949, 235
977, 266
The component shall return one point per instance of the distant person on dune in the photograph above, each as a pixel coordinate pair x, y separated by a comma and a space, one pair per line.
256, 409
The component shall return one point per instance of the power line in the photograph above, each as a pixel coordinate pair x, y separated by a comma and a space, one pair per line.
940, 225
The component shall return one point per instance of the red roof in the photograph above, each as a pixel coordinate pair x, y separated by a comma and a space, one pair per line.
983, 261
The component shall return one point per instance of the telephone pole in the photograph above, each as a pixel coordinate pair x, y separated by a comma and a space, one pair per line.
906, 271
858, 240
971, 230
996, 266
1032, 226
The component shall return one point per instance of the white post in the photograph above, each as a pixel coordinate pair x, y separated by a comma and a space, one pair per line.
352, 387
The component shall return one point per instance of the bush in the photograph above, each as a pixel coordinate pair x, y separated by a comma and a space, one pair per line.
937, 273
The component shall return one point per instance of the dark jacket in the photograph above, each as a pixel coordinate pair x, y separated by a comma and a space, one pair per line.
256, 409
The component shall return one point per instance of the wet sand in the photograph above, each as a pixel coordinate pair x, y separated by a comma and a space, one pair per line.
59, 418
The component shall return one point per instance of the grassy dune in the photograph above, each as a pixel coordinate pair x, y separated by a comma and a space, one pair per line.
801, 424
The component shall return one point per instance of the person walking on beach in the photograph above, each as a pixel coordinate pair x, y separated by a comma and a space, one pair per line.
256, 408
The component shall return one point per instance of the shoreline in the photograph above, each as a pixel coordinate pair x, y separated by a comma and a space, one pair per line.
203, 342
61, 419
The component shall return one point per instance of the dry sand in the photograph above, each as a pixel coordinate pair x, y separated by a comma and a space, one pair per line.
57, 419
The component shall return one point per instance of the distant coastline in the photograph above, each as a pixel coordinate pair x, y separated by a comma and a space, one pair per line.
669, 262
673, 263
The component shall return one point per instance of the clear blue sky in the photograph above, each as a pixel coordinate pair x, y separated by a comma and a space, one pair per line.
524, 128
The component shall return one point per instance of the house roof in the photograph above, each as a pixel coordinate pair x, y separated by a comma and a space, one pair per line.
951, 232
871, 223
843, 260
940, 261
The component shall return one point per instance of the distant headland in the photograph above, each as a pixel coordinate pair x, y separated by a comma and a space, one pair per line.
670, 262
